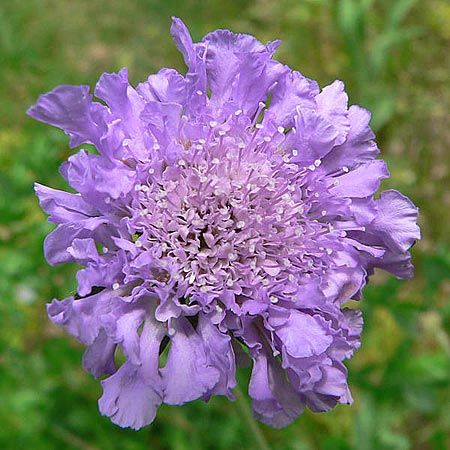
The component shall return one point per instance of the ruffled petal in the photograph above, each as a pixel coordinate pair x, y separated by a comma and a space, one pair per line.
63, 207
332, 105
132, 395
96, 178
58, 242
396, 220
187, 374
220, 355
167, 86
98, 359
275, 402
358, 147
292, 91
362, 181
69, 108
82, 318
312, 340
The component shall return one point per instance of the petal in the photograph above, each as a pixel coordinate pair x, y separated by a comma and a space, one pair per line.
132, 395
223, 56
219, 352
362, 181
183, 40
57, 243
397, 220
233, 62
68, 107
63, 206
83, 250
97, 178
313, 137
332, 105
187, 375
275, 402
358, 147
302, 336
82, 318
167, 86
98, 359
292, 91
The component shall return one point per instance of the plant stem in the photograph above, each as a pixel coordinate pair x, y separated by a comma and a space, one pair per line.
247, 414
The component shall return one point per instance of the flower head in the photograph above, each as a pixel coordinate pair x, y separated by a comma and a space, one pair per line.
229, 211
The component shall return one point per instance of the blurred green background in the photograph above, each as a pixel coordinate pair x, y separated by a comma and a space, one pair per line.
393, 56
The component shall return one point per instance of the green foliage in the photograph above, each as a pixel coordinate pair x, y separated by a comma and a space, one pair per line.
392, 55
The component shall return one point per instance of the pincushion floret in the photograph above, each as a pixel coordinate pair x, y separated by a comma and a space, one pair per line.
228, 212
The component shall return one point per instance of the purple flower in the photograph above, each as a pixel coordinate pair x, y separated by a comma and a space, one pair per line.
228, 212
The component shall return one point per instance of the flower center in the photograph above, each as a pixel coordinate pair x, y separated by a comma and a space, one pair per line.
232, 215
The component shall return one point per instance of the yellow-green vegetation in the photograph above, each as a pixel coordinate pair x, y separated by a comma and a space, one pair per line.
393, 56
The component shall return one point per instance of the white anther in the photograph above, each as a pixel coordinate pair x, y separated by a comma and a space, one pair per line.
215, 161
198, 146
144, 212
258, 218
219, 309
329, 251
273, 299
222, 132
202, 141
280, 210
144, 188
317, 162
312, 167
280, 130
241, 145
294, 152
291, 278
171, 331
151, 171
267, 138
238, 112
258, 126
105, 249
316, 194
156, 147
345, 169
116, 286
298, 232
138, 244
324, 213
285, 158
291, 188
137, 187
230, 282
199, 92
240, 224
213, 124
265, 282
184, 118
